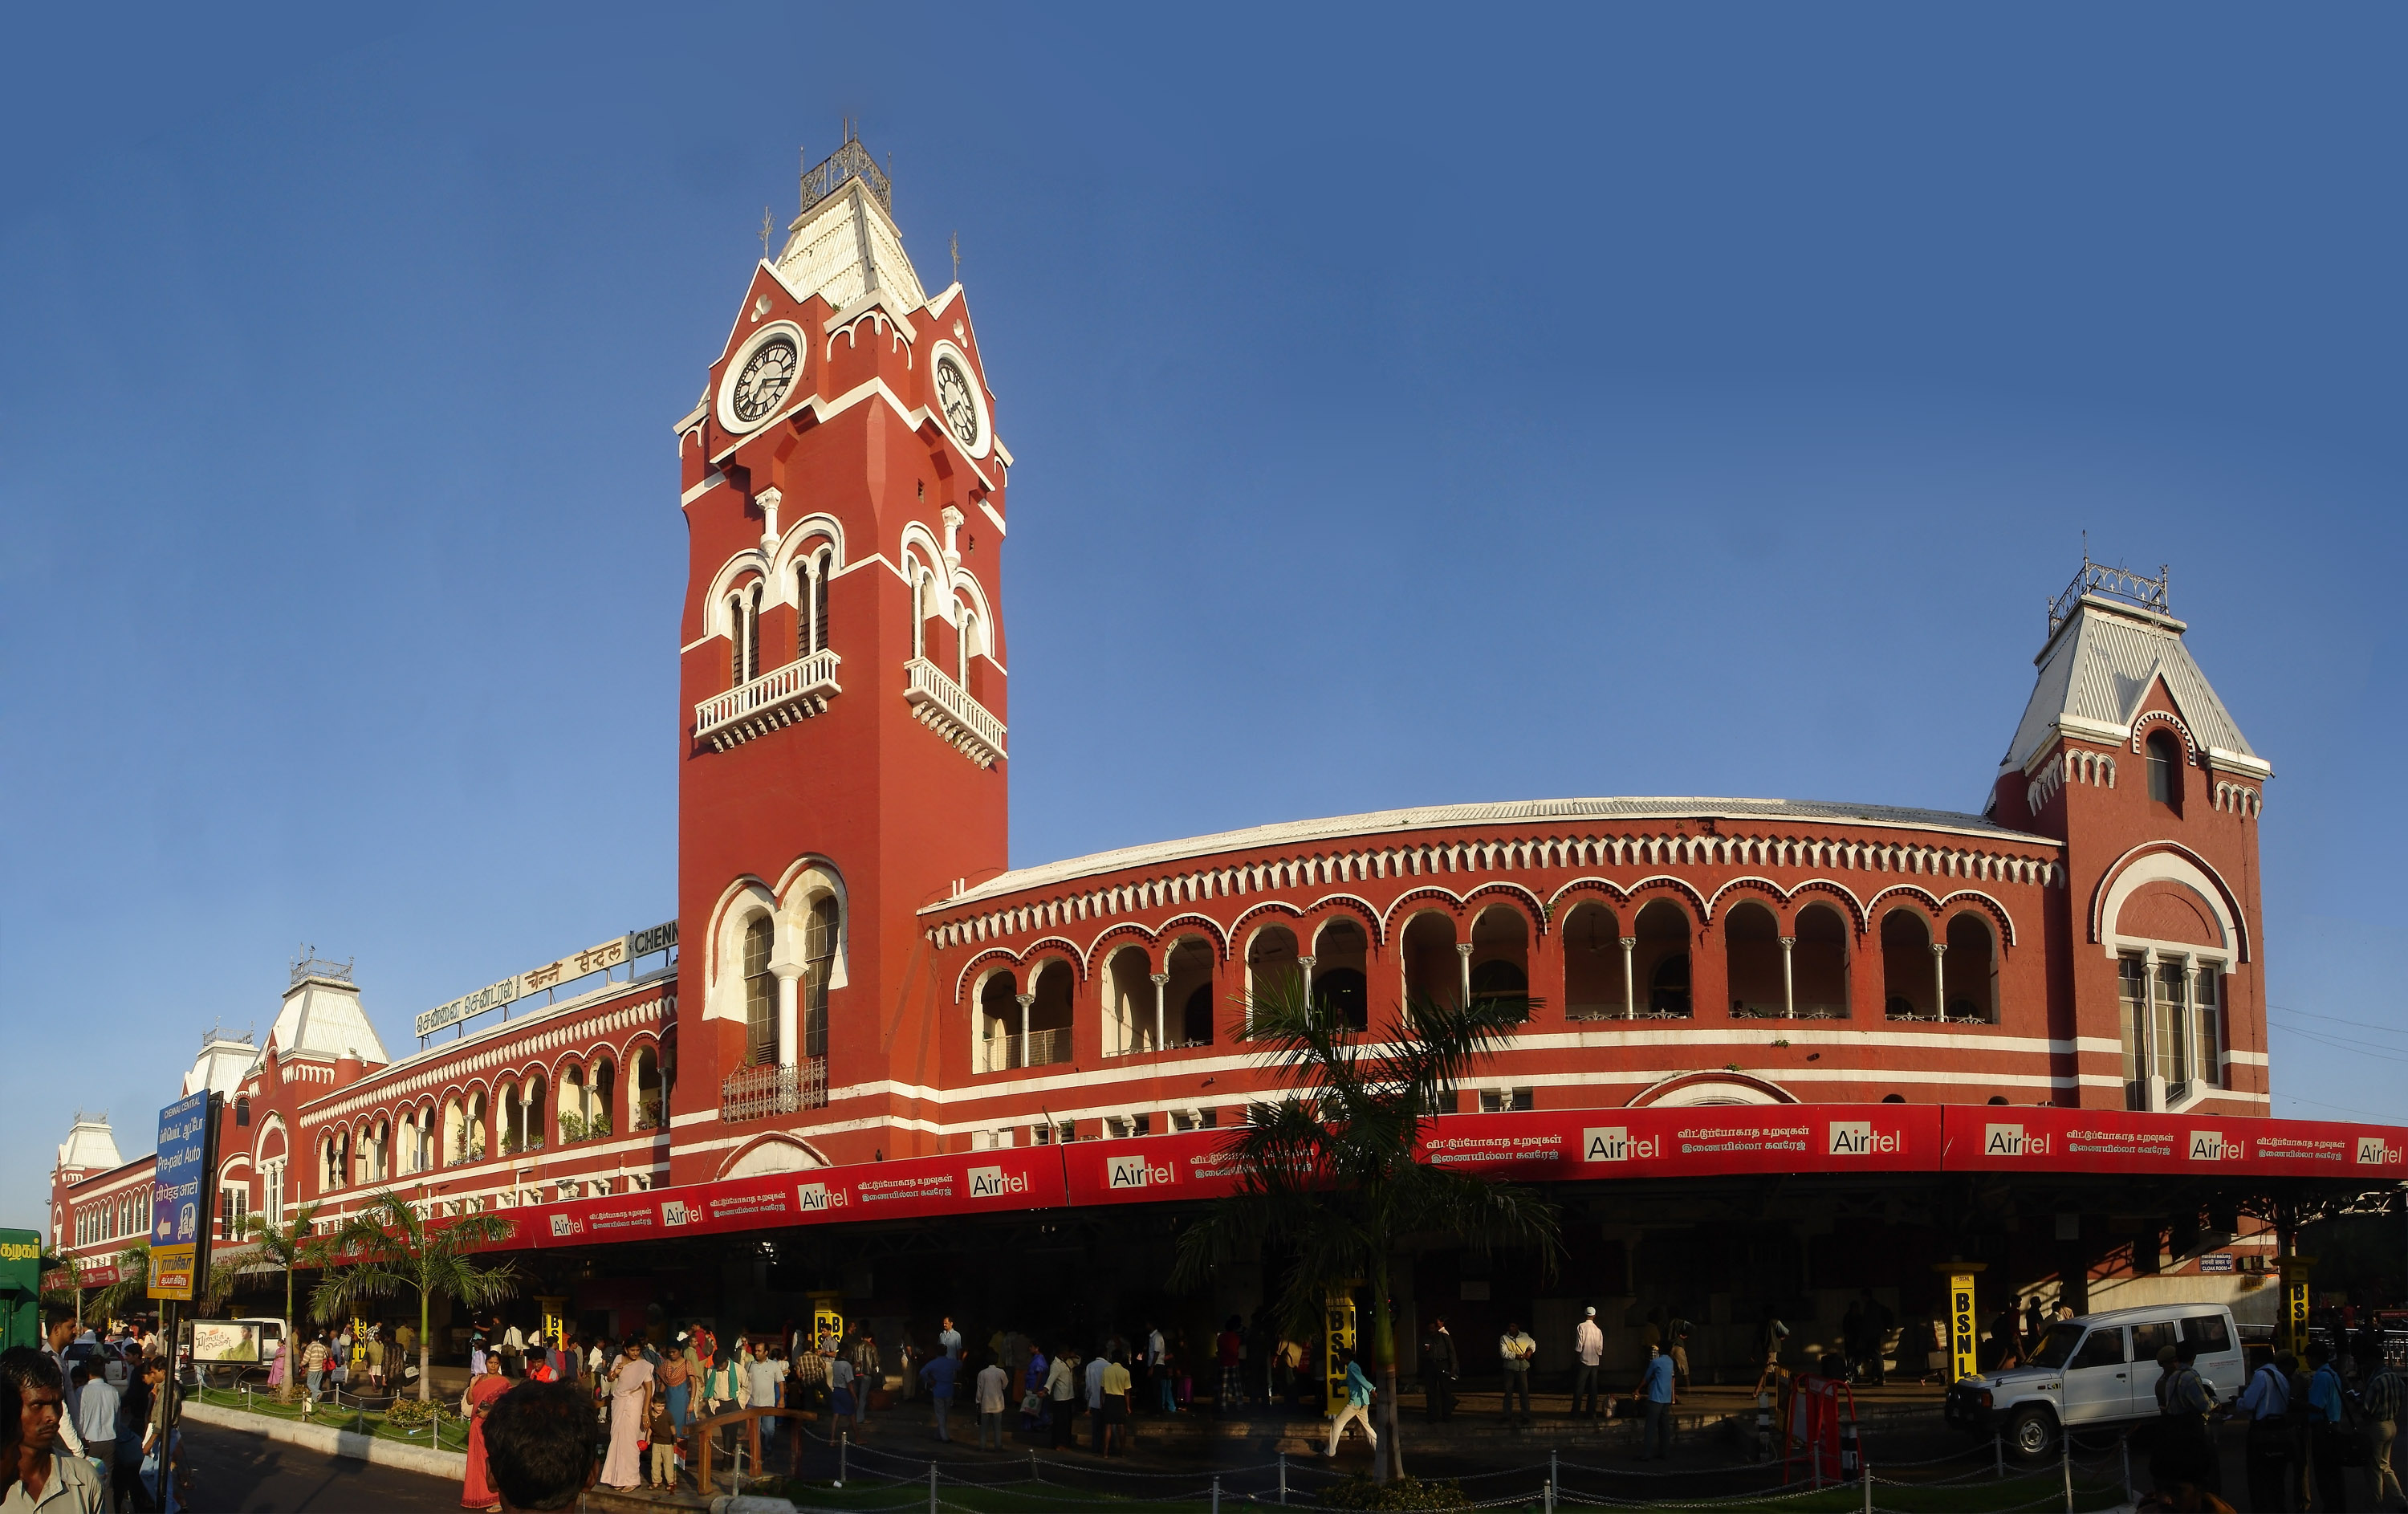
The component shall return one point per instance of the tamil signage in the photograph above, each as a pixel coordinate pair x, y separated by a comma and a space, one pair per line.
180, 1196
610, 954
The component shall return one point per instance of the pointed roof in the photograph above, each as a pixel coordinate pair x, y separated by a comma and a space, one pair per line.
321, 1018
90, 1145
221, 1064
844, 246
2095, 677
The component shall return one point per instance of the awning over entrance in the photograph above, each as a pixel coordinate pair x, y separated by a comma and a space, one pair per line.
1536, 1147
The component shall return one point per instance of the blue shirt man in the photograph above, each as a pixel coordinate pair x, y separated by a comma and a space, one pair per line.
1655, 1386
2324, 1393
939, 1375
1358, 1387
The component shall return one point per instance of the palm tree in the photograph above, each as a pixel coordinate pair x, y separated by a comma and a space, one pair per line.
1331, 1176
292, 1246
386, 1247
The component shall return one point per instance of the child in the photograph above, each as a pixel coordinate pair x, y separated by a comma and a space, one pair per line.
662, 1432
840, 1412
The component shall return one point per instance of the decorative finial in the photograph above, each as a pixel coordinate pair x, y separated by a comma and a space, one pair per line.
764, 234
957, 257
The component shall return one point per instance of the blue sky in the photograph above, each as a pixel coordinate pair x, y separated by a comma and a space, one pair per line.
1410, 406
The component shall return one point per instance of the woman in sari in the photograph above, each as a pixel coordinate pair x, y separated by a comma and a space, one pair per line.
476, 1491
631, 1404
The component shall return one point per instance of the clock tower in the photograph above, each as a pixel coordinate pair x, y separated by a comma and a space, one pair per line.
842, 739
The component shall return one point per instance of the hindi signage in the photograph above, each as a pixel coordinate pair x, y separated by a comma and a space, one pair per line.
610, 954
180, 1196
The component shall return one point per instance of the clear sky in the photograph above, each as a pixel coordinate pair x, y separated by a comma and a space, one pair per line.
1410, 406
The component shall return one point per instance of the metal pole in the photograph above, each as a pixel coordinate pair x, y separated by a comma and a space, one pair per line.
1282, 1460
1999, 1450
2065, 1460
1034, 1476
843, 1446
2126, 1448
1549, 1493
932, 1488
1216, 1496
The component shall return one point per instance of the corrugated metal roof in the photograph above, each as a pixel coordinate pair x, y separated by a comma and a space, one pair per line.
2099, 668
1434, 817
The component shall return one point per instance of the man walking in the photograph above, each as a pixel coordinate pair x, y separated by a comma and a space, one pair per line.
949, 1340
2267, 1402
96, 1405
1359, 1393
939, 1375
1588, 1355
2380, 1400
1514, 1349
2327, 1419
1655, 1396
1444, 1365
1061, 1396
992, 1385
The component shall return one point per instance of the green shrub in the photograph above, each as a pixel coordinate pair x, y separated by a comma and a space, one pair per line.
411, 1414
1360, 1491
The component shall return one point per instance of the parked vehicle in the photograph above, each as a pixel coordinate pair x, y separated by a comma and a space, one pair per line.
2098, 1370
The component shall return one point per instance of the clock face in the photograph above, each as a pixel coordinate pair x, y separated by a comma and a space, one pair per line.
954, 394
767, 376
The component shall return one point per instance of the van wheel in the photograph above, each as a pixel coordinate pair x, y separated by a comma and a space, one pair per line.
2032, 1433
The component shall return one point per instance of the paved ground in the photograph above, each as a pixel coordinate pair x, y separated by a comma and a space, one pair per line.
234, 1473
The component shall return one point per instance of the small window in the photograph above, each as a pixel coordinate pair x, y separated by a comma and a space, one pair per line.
760, 994
2101, 1348
1507, 1101
2208, 1332
242, 1110
2165, 769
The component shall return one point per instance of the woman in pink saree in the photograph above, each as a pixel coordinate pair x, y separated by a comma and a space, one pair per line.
631, 1402
478, 1490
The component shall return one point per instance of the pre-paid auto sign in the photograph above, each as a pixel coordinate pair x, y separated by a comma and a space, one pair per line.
178, 1197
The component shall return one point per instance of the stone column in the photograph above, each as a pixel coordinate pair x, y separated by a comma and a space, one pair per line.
1160, 979
1788, 981
1463, 950
790, 1042
1939, 975
1020, 1059
1630, 977
1304, 970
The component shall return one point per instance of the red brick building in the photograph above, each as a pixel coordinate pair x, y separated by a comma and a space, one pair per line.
862, 978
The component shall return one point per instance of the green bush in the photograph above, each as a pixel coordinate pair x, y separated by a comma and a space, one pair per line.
409, 1413
1360, 1491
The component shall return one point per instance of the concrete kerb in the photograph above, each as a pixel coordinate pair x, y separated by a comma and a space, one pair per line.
328, 1441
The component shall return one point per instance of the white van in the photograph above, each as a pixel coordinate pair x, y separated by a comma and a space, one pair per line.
2100, 1369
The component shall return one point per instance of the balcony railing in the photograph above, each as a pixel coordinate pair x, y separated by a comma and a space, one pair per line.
1038, 1048
777, 698
946, 708
764, 1089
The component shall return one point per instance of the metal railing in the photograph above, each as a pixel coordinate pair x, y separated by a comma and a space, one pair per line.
2117, 582
947, 708
766, 1088
851, 161
778, 698
1038, 1048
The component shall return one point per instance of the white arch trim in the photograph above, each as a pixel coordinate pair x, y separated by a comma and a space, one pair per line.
1695, 1091
773, 1154
2172, 865
792, 546
722, 584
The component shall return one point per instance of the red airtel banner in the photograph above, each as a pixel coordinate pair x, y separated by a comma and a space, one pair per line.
1552, 1145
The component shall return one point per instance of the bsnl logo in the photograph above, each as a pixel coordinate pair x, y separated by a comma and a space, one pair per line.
816, 1196
2373, 1151
2011, 1141
995, 1183
1612, 1142
1136, 1172
1857, 1138
2210, 1146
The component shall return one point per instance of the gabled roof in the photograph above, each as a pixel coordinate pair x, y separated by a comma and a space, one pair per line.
223, 1062
321, 1018
845, 247
89, 1145
2095, 676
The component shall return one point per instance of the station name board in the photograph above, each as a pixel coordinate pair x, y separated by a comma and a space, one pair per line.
576, 965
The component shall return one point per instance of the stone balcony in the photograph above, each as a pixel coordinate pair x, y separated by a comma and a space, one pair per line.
777, 698
946, 708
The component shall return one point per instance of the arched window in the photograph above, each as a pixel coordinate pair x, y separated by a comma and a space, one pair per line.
1187, 997
571, 1114
1752, 958
1593, 981
1818, 964
1970, 969
1341, 987
1500, 958
1128, 1003
2165, 769
242, 1110
919, 606
1433, 969
819, 934
998, 1004
1271, 968
1910, 984
1660, 959
1049, 1015
760, 994
645, 1108
963, 645
599, 1098
734, 640
819, 601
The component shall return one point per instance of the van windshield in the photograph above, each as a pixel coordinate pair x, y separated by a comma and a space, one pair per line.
2058, 1348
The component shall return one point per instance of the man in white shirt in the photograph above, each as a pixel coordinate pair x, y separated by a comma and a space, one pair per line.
1096, 1401
95, 1416
949, 1340
992, 1385
1514, 1349
1588, 1352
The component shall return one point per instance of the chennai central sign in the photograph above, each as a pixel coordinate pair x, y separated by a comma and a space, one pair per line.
576, 965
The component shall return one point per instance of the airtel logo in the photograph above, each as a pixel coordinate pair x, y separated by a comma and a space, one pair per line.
2011, 1141
995, 1183
816, 1196
1136, 1172
2210, 1146
678, 1212
2373, 1151
1612, 1142
1857, 1138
